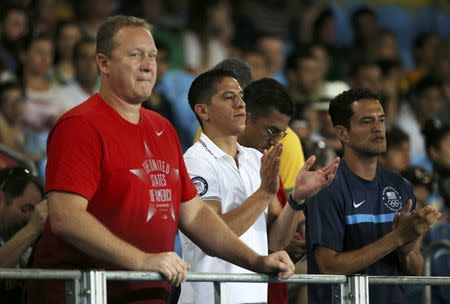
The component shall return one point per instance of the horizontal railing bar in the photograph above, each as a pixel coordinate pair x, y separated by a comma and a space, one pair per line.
39, 274
408, 280
238, 277
46, 274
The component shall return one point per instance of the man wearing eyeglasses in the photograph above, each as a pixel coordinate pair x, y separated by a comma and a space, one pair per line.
238, 184
22, 218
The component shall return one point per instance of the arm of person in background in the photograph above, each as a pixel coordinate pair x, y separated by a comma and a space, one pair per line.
409, 228
12, 251
307, 184
71, 221
241, 218
215, 238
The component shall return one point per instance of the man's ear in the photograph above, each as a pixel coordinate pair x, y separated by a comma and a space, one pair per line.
102, 63
342, 133
202, 111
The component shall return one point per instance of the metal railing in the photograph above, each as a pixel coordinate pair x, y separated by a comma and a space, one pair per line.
89, 287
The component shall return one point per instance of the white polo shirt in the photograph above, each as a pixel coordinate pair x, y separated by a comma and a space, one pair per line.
217, 177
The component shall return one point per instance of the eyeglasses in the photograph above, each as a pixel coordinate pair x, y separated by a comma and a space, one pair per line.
17, 171
276, 135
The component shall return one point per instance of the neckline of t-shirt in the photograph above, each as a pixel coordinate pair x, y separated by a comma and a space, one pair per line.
374, 181
110, 109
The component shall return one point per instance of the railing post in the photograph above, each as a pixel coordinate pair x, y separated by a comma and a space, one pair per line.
356, 290
93, 287
338, 293
219, 296
73, 292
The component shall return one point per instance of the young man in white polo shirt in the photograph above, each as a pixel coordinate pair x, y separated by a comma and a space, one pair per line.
239, 184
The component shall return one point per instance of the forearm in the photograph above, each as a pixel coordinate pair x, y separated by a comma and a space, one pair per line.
283, 228
350, 262
240, 219
11, 252
212, 235
86, 233
412, 262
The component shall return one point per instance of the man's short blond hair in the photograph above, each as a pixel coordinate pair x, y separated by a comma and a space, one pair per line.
112, 25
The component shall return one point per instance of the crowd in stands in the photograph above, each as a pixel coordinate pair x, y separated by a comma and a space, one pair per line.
315, 49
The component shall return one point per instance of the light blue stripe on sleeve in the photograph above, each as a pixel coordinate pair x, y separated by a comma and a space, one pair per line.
369, 218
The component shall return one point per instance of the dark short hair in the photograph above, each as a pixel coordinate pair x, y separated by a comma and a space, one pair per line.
388, 65
418, 176
341, 107
240, 68
303, 52
395, 137
264, 95
425, 83
323, 16
6, 10
112, 25
14, 180
30, 39
10, 85
359, 12
204, 86
421, 39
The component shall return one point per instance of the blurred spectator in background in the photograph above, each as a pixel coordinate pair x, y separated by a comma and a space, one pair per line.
92, 14
12, 110
442, 71
208, 38
424, 54
42, 106
324, 35
437, 139
396, 157
22, 218
44, 17
67, 35
272, 46
365, 30
304, 76
425, 103
84, 83
387, 46
391, 79
366, 74
13, 29
258, 62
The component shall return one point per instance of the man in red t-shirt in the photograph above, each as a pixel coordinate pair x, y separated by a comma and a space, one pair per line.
118, 187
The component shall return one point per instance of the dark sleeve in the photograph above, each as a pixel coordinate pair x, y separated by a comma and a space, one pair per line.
326, 224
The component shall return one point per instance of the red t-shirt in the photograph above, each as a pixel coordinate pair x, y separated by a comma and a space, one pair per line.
134, 178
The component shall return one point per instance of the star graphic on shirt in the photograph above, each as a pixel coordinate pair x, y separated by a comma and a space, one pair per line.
145, 178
